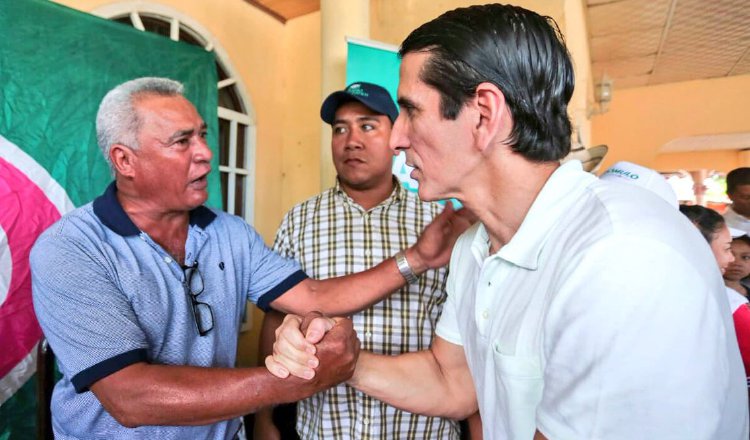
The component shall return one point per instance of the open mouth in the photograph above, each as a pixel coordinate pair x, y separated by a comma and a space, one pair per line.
201, 181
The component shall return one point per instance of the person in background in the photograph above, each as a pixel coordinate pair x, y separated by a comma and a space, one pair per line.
365, 217
561, 321
734, 265
738, 190
739, 269
713, 228
630, 173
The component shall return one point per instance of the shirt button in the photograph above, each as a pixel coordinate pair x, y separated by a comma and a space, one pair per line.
167, 260
485, 314
367, 252
368, 335
366, 421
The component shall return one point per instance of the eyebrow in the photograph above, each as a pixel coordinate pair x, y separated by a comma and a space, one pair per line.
407, 103
359, 119
187, 132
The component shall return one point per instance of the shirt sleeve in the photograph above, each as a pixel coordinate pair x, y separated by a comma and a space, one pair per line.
632, 355
271, 275
86, 318
282, 244
448, 326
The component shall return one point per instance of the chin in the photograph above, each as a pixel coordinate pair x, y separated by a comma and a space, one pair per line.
198, 200
424, 194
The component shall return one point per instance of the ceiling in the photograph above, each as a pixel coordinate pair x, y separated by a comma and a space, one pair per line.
284, 10
647, 42
640, 42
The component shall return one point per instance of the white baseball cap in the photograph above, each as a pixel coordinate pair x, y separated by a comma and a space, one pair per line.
628, 172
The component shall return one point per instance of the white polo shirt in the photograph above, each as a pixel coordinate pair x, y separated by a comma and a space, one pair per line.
736, 221
605, 317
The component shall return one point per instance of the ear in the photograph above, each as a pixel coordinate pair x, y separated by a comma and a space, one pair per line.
123, 159
493, 123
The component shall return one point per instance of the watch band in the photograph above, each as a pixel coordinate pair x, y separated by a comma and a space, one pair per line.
404, 268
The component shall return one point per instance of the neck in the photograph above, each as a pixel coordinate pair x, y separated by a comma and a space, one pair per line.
734, 208
370, 197
167, 228
503, 191
736, 285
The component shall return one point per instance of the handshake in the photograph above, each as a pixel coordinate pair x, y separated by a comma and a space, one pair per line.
322, 350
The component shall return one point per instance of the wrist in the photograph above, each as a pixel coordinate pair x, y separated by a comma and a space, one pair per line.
410, 263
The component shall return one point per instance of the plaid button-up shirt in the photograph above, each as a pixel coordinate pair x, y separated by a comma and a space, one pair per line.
331, 235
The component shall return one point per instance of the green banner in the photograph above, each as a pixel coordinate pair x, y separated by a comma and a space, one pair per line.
56, 64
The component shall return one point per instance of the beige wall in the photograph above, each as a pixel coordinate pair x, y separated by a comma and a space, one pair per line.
641, 120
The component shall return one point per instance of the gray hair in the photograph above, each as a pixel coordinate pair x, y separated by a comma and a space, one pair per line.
117, 121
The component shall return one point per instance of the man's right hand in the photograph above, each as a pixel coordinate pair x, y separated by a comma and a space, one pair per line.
326, 353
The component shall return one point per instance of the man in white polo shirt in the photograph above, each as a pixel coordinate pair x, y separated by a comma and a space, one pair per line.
577, 308
738, 190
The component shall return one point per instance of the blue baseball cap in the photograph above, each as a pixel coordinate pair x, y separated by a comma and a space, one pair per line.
373, 96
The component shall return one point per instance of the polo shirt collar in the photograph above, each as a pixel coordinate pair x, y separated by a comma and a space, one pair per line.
556, 198
109, 211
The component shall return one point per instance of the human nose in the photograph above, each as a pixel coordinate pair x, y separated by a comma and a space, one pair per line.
398, 141
353, 139
203, 152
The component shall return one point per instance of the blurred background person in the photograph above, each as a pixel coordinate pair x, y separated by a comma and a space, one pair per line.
730, 246
738, 190
714, 229
719, 236
739, 269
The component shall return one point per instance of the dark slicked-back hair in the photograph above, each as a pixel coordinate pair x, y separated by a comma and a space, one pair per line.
519, 51
708, 221
737, 177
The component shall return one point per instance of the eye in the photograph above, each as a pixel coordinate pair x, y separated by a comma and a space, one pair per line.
339, 129
368, 127
203, 134
408, 108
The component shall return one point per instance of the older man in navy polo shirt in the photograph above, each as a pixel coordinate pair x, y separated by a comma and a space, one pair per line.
141, 292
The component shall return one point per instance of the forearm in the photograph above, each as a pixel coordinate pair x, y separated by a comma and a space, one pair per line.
414, 382
349, 294
145, 394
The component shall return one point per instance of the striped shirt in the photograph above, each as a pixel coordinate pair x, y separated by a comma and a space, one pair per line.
331, 235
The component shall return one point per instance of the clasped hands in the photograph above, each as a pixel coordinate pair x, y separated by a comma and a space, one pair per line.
327, 348
315, 347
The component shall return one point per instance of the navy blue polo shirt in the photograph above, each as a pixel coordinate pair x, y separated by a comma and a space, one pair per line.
107, 296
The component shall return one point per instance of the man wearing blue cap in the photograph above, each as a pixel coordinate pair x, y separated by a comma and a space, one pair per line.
363, 219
